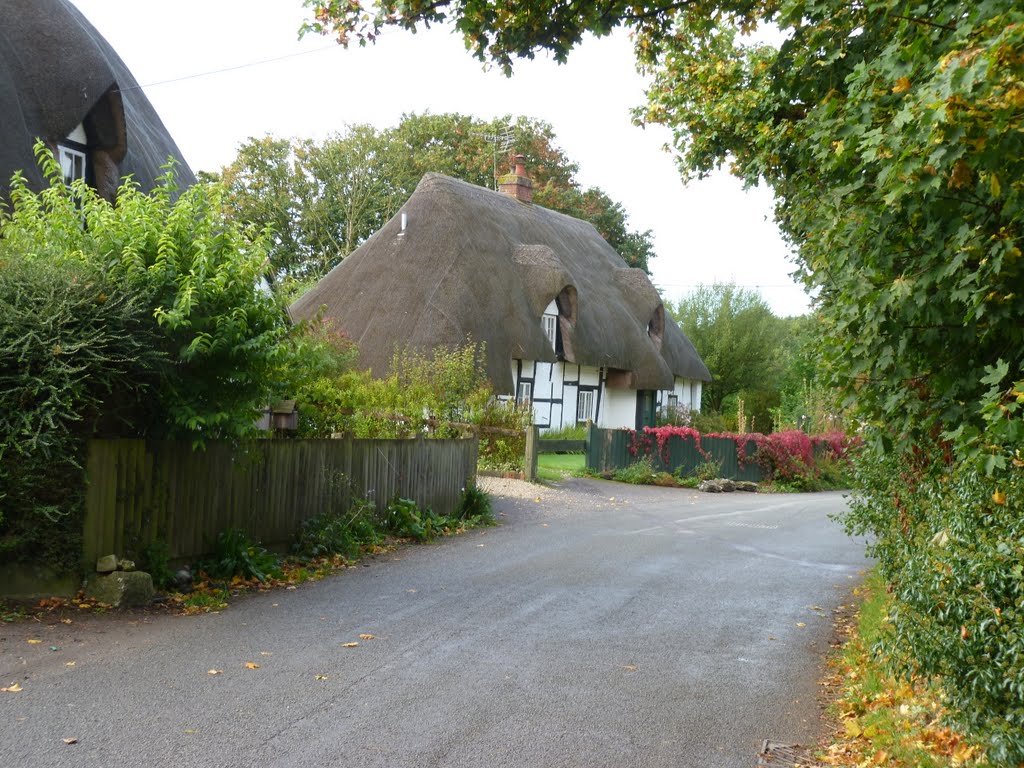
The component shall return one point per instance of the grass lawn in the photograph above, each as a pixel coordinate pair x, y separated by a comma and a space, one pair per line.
555, 466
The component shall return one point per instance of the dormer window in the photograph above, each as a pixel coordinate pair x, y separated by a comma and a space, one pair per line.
72, 162
656, 326
71, 154
550, 325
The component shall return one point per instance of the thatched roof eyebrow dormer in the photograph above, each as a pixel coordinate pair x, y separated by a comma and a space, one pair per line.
477, 263
56, 73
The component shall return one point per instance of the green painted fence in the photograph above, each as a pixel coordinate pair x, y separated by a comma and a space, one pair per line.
609, 450
140, 491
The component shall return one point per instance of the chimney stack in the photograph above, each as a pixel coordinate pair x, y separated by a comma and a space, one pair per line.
517, 184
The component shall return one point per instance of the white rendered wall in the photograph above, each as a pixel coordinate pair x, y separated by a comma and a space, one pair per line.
618, 409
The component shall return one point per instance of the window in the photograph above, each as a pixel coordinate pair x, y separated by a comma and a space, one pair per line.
673, 403
656, 326
72, 163
525, 392
550, 325
585, 405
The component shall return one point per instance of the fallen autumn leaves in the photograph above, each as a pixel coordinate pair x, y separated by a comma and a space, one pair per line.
879, 720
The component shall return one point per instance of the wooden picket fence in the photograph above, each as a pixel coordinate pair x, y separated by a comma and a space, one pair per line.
140, 491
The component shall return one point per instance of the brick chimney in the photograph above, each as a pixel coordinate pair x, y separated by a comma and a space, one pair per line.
517, 184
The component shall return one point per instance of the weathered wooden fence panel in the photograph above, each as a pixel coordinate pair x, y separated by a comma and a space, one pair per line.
683, 452
609, 450
723, 450
140, 491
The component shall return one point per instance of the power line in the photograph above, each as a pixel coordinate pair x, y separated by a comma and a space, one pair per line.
733, 285
231, 69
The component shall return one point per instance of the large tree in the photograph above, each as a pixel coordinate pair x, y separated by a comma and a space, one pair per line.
322, 199
319, 200
743, 345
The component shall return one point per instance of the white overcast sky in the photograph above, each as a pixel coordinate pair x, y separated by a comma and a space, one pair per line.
198, 63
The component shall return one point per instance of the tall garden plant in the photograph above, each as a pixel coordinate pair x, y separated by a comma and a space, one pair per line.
144, 318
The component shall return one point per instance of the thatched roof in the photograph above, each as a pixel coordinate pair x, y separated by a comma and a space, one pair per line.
480, 264
57, 71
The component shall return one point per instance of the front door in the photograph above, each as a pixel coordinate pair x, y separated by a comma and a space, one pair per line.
646, 410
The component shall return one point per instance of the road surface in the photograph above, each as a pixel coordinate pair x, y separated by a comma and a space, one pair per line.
599, 625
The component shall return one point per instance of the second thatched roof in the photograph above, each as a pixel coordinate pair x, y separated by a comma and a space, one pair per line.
473, 263
57, 71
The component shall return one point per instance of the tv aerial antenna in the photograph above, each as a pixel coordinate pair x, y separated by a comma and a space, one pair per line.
501, 142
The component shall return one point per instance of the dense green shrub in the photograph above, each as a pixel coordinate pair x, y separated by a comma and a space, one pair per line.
475, 506
140, 319
708, 422
236, 555
422, 395
950, 544
504, 449
187, 268
640, 472
339, 532
155, 559
578, 432
405, 519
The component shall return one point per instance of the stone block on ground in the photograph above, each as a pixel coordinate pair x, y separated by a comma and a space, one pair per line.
724, 485
121, 589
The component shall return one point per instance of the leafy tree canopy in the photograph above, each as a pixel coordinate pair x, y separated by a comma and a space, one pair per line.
320, 200
740, 341
169, 269
889, 132
501, 32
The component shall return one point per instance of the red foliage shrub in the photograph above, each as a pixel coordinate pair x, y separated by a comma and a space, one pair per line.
783, 456
644, 441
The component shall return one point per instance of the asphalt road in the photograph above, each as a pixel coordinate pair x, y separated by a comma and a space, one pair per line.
641, 627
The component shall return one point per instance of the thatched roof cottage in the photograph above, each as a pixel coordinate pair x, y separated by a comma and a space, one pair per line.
61, 82
567, 325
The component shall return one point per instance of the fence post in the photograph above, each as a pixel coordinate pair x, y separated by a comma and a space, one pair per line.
593, 443
532, 451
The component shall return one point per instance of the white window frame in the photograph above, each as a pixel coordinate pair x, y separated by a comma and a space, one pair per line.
585, 405
524, 393
72, 162
550, 325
